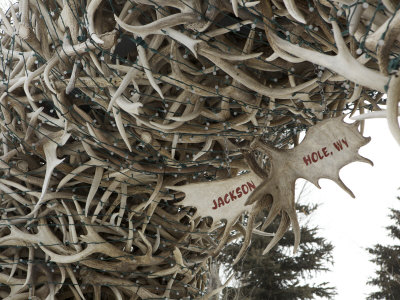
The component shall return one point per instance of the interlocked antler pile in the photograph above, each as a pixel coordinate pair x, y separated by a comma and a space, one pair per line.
105, 103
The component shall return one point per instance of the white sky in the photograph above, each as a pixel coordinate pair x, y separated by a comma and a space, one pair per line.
354, 224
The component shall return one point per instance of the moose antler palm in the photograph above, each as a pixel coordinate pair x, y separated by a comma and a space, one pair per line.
327, 147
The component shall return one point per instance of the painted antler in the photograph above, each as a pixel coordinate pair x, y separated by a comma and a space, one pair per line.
327, 147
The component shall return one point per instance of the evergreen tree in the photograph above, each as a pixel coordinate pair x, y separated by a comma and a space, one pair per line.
388, 260
280, 274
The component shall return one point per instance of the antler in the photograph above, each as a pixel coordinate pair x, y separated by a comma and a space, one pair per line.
328, 146
109, 107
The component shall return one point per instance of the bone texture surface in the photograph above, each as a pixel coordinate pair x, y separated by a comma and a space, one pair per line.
106, 105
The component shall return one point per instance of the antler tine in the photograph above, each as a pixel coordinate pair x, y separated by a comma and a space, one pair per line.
259, 193
370, 78
295, 226
274, 211
393, 100
283, 227
247, 237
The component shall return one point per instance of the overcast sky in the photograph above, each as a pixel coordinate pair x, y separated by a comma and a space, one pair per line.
354, 224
